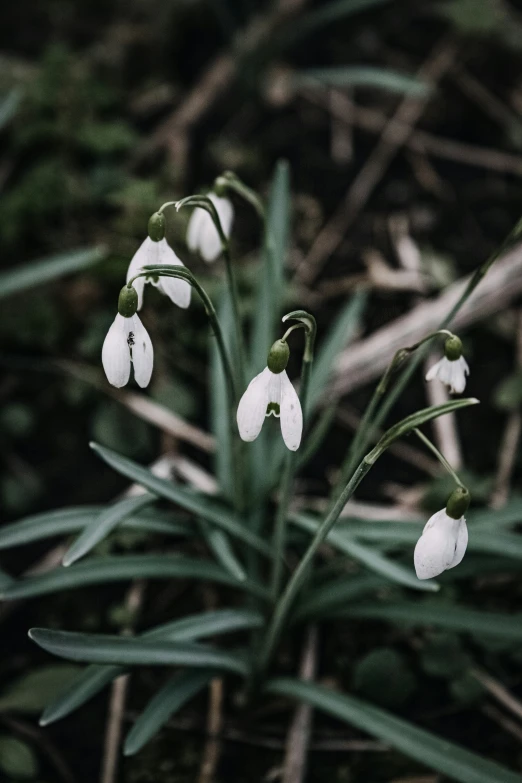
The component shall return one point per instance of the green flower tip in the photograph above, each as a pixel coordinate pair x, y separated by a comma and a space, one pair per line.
157, 227
453, 348
278, 357
458, 503
220, 186
128, 301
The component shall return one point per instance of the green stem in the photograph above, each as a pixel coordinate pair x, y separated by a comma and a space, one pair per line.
290, 467
442, 459
231, 181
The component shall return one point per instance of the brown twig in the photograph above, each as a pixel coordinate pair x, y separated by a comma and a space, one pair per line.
212, 750
298, 737
118, 696
508, 725
499, 692
393, 137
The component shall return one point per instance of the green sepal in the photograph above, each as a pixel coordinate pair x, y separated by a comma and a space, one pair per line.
157, 227
128, 301
278, 356
458, 503
453, 348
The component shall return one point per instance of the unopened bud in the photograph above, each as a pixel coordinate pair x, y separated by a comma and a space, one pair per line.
458, 503
157, 226
128, 301
278, 356
453, 348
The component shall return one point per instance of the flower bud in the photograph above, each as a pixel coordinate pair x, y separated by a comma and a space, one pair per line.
220, 186
453, 348
458, 503
278, 357
128, 301
157, 227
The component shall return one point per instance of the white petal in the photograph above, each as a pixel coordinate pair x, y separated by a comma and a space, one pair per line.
435, 549
462, 543
209, 242
138, 261
252, 406
225, 211
115, 353
142, 352
433, 371
194, 229
291, 414
178, 291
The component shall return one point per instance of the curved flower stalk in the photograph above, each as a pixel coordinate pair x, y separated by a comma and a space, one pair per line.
127, 341
452, 368
444, 539
272, 393
202, 235
155, 250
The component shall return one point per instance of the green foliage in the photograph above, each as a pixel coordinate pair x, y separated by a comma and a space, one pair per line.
384, 677
31, 692
17, 759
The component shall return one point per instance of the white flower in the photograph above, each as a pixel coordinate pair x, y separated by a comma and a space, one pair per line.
160, 253
452, 373
274, 390
441, 546
202, 235
126, 337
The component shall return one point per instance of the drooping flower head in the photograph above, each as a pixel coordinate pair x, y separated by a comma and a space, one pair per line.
202, 235
127, 341
156, 250
444, 539
271, 393
452, 368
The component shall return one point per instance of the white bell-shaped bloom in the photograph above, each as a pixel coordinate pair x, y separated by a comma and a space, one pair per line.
160, 253
271, 393
127, 340
202, 235
441, 546
451, 373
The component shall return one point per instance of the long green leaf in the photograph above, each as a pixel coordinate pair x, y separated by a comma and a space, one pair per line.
124, 651
325, 14
198, 504
222, 549
101, 527
9, 106
269, 295
99, 570
428, 749
167, 701
340, 335
219, 403
71, 520
502, 626
44, 270
363, 76
369, 557
95, 677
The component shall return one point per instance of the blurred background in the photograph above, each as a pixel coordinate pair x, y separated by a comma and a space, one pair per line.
402, 126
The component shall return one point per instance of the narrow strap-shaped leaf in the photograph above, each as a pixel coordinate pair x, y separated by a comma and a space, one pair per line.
220, 546
98, 570
362, 76
125, 651
167, 701
220, 404
199, 504
369, 557
100, 527
71, 520
35, 273
96, 676
456, 618
428, 749
9, 106
339, 336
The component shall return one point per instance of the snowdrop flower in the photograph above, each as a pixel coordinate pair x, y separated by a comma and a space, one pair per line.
202, 235
271, 392
156, 250
452, 368
444, 539
127, 341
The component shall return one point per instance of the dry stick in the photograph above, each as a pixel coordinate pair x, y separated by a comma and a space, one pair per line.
510, 440
393, 137
173, 132
421, 142
499, 692
212, 749
508, 725
118, 696
298, 737
367, 359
